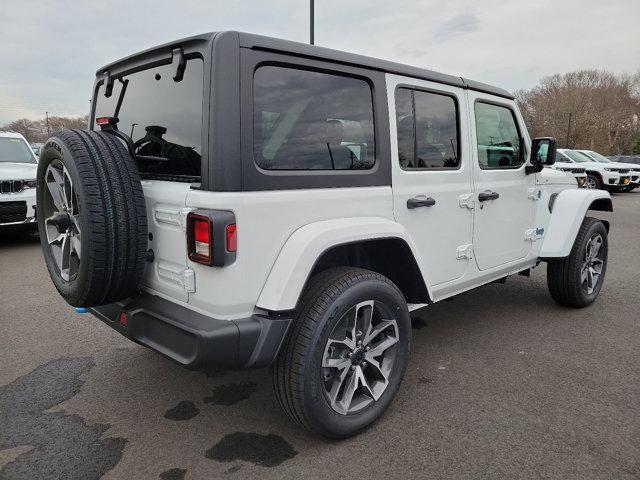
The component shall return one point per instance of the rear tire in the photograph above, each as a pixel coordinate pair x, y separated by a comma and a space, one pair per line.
340, 401
576, 280
91, 217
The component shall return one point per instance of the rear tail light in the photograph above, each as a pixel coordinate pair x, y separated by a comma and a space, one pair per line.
200, 239
212, 237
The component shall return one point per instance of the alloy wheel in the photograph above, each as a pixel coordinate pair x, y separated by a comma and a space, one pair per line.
359, 357
592, 264
62, 220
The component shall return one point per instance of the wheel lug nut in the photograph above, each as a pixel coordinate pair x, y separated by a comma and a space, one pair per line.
362, 363
367, 348
350, 354
353, 367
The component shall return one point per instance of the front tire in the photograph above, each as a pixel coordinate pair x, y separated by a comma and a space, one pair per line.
593, 182
343, 361
576, 280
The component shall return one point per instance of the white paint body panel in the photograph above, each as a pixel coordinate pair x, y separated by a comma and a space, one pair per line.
266, 223
569, 209
282, 233
307, 244
441, 229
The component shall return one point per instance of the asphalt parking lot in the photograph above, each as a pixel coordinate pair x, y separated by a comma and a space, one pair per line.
502, 383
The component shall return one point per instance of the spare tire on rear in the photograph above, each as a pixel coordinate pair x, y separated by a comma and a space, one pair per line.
91, 217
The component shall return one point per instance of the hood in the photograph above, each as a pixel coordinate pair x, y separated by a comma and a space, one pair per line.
18, 171
549, 176
632, 166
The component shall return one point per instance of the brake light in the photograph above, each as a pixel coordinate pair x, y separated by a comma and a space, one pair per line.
232, 238
123, 319
199, 239
103, 120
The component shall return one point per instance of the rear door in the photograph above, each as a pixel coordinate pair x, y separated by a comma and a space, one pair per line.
164, 117
504, 193
431, 172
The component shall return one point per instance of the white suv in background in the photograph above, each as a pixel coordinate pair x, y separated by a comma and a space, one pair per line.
579, 173
634, 170
18, 165
599, 176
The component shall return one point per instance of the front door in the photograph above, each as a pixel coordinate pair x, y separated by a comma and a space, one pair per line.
504, 193
431, 172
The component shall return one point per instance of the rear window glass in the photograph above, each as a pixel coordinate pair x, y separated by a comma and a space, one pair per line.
305, 120
163, 117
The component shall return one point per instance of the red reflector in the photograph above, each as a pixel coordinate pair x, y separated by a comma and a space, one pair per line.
232, 238
103, 120
123, 319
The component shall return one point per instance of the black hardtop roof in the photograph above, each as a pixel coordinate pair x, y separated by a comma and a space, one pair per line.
259, 42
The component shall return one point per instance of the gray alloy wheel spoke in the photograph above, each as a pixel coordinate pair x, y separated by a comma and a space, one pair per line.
593, 265
359, 357
373, 333
65, 261
381, 347
55, 184
62, 226
339, 363
349, 391
75, 245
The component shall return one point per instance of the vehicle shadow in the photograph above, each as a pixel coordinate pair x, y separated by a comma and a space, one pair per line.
12, 236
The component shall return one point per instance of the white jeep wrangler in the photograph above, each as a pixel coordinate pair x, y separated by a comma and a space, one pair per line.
242, 201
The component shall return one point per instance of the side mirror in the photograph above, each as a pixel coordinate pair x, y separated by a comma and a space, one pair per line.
543, 153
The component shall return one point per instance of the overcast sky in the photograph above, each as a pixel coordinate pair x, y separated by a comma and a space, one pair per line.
51, 49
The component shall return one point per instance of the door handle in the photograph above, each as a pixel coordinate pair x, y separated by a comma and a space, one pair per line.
484, 196
421, 201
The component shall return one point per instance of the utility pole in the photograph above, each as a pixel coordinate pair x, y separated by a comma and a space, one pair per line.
566, 143
48, 133
311, 22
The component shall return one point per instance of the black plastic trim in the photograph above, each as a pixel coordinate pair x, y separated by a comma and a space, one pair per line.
256, 178
195, 340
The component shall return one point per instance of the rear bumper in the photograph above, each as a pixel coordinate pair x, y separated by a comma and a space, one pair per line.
195, 340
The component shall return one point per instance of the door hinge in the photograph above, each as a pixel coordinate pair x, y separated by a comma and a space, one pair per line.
467, 201
534, 193
184, 277
533, 234
465, 251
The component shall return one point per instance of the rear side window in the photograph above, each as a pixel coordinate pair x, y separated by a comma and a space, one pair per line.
427, 125
306, 120
497, 136
163, 117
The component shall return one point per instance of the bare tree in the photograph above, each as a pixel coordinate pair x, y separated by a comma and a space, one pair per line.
590, 109
35, 131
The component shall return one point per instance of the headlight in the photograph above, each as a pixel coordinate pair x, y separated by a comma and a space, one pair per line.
30, 184
610, 169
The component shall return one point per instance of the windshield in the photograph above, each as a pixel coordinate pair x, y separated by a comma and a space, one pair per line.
163, 117
15, 150
596, 156
578, 157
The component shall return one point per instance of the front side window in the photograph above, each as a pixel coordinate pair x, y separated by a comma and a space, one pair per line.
498, 139
427, 130
306, 120
162, 116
